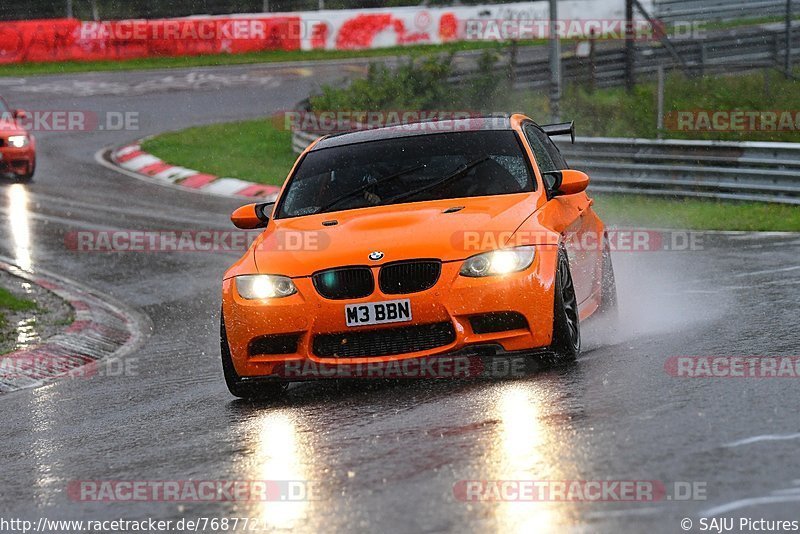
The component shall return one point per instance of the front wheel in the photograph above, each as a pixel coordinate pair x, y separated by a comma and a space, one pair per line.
237, 386
566, 343
28, 175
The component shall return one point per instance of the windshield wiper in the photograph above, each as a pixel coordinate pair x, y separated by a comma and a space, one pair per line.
458, 173
364, 187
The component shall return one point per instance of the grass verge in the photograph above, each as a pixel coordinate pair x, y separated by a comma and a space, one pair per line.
10, 302
254, 150
697, 214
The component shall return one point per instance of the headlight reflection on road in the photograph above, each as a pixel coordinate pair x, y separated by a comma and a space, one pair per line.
280, 452
19, 224
526, 450
48, 479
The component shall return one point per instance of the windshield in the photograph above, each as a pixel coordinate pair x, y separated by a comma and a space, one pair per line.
409, 169
3, 107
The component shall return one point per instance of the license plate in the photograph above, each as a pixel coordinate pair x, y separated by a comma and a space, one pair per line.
390, 311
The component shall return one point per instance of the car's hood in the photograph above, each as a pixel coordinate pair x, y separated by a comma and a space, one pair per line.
303, 245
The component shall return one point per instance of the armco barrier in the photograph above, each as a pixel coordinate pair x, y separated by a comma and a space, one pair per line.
752, 171
682, 10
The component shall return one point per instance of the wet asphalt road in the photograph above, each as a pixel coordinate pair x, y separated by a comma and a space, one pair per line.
385, 456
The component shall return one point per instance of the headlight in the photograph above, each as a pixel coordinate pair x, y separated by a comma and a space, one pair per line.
498, 262
18, 141
264, 286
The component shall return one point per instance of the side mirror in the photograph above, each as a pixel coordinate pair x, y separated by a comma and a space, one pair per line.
252, 216
565, 182
20, 114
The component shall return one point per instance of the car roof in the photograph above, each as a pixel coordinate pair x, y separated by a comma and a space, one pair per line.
411, 129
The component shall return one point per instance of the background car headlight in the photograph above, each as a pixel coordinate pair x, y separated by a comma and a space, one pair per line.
498, 262
264, 286
18, 141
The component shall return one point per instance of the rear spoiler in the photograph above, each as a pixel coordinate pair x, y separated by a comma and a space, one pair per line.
562, 128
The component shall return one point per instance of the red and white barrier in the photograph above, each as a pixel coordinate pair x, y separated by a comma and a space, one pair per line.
74, 40
133, 159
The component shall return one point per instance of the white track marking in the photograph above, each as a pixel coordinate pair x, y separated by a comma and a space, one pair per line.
124, 151
746, 503
767, 271
140, 162
174, 174
622, 513
226, 186
765, 437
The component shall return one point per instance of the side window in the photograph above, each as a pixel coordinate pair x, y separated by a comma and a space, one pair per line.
541, 154
541, 143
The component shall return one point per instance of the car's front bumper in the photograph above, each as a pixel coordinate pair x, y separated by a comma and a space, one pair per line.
454, 299
17, 160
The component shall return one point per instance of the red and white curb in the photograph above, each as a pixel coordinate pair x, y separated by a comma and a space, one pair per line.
102, 330
132, 158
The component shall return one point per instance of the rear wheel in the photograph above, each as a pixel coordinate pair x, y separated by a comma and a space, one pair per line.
236, 385
566, 343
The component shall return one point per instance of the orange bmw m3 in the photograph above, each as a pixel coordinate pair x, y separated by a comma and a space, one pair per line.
417, 241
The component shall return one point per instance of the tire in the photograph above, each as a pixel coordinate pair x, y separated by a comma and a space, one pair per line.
566, 344
28, 176
238, 387
608, 288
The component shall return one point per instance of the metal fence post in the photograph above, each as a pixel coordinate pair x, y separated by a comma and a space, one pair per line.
592, 61
512, 63
703, 53
69, 9
555, 64
629, 46
767, 85
787, 65
660, 104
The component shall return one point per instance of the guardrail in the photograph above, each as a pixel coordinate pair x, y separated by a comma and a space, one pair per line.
754, 171
692, 10
751, 171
